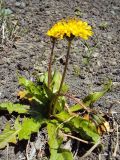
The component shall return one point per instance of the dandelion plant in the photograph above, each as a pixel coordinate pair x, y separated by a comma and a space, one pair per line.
47, 103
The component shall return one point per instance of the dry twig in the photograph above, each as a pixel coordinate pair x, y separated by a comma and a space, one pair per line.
27, 157
75, 154
77, 101
73, 137
64, 122
90, 150
117, 142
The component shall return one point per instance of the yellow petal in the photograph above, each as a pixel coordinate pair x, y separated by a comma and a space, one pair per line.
21, 94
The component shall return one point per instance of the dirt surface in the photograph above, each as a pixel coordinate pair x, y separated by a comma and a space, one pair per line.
32, 50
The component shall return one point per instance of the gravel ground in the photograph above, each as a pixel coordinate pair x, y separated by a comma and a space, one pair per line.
32, 50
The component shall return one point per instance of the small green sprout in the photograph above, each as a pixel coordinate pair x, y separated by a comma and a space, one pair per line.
76, 69
103, 25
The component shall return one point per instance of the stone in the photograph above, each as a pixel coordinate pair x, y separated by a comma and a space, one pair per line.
20, 5
96, 54
1, 61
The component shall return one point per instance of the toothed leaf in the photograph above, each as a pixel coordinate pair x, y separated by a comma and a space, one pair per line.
9, 135
11, 107
85, 128
54, 141
93, 97
29, 126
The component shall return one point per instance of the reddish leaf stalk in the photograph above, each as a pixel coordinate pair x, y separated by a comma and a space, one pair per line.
50, 62
65, 69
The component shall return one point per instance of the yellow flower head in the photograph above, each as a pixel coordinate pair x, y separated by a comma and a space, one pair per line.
24, 95
21, 94
71, 27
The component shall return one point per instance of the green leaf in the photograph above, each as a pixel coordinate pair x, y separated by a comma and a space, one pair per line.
56, 80
55, 83
98, 119
61, 155
54, 143
29, 85
17, 124
93, 97
46, 78
66, 155
35, 90
86, 129
43, 78
48, 92
66, 129
65, 88
11, 107
75, 108
9, 135
53, 140
60, 103
29, 126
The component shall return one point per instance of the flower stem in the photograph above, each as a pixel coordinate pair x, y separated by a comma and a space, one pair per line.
65, 69
50, 62
52, 110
